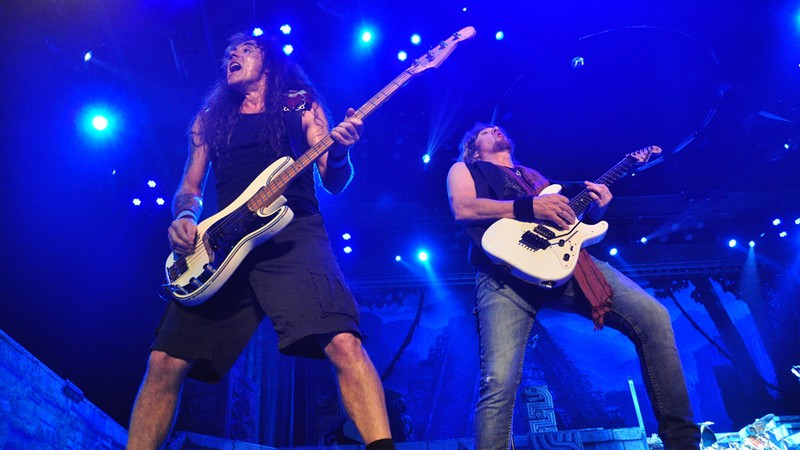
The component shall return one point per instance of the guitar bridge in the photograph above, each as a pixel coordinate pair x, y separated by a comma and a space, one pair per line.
178, 268
533, 241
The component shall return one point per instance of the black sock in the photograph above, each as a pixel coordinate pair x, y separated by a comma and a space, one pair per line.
381, 444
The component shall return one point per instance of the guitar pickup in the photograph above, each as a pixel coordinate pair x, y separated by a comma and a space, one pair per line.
545, 232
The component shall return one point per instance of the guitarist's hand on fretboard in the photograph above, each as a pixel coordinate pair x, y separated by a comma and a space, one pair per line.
601, 197
554, 208
346, 134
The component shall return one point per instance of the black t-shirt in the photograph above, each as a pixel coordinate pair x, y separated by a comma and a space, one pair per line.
245, 157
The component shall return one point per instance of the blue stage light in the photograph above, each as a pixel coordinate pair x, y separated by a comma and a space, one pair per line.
288, 49
151, 183
160, 201
398, 258
366, 36
752, 244
643, 240
416, 39
499, 35
87, 56
732, 243
426, 158
286, 28
346, 236
365, 39
776, 222
257, 31
402, 56
137, 202
797, 19
783, 234
348, 250
613, 251
100, 122
423, 256
797, 221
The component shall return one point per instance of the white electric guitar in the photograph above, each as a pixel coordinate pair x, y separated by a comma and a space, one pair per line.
260, 212
542, 253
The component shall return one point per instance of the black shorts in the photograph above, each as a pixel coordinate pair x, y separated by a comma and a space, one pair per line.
293, 279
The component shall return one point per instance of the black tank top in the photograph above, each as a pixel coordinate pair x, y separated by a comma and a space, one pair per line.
244, 158
493, 182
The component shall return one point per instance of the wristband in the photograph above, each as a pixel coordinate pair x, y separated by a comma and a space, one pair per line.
523, 209
186, 213
338, 163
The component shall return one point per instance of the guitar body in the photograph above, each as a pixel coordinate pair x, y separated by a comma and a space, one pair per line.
538, 252
224, 240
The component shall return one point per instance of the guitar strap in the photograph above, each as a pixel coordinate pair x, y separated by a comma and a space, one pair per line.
490, 182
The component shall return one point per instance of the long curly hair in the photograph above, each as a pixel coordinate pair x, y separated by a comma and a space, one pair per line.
220, 109
467, 146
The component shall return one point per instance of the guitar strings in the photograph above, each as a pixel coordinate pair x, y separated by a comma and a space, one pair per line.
580, 201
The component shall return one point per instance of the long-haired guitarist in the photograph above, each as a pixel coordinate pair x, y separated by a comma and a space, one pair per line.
263, 108
488, 184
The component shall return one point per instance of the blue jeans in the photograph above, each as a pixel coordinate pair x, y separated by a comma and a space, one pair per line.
506, 309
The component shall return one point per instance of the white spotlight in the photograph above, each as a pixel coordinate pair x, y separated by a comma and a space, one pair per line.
100, 123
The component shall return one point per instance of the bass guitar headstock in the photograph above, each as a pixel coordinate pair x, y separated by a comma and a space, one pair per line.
436, 56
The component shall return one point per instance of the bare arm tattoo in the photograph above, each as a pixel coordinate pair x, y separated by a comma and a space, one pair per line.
187, 201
